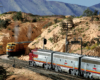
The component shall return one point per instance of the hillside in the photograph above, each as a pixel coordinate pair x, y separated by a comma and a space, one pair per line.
97, 7
50, 28
30, 24
83, 27
41, 7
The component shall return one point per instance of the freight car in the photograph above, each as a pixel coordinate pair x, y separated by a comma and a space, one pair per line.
16, 48
86, 66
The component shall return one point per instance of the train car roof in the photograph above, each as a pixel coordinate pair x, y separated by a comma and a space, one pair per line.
91, 58
60, 53
44, 50
19, 42
23, 42
64, 53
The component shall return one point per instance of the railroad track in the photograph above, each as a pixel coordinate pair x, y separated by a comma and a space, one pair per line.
48, 73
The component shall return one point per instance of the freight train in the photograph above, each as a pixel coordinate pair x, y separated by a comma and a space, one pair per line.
16, 48
75, 64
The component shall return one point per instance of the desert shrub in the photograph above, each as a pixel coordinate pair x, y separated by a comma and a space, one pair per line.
9, 28
49, 30
87, 47
55, 26
13, 30
39, 36
74, 33
51, 39
12, 35
83, 35
1, 46
94, 46
97, 19
18, 16
87, 28
85, 44
55, 20
48, 24
2, 73
32, 31
4, 23
86, 22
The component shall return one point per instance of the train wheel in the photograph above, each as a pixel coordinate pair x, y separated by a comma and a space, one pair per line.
30, 63
90, 76
76, 72
72, 72
46, 66
59, 69
85, 75
49, 66
34, 64
56, 68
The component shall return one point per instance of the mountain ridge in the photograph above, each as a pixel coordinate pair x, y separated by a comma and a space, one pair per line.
42, 7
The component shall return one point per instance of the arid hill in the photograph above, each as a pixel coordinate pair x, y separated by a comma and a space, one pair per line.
83, 28
28, 23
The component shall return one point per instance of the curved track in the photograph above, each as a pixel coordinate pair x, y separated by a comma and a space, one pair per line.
48, 73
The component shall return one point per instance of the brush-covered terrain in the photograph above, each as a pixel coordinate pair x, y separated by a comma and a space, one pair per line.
28, 24
50, 28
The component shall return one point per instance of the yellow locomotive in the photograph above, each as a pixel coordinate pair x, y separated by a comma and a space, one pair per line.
16, 48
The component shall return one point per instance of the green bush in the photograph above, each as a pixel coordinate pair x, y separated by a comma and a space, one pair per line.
51, 39
86, 22
97, 19
87, 47
13, 30
13, 35
1, 46
9, 28
55, 20
18, 16
2, 73
48, 24
85, 44
83, 35
94, 46
49, 30
4, 23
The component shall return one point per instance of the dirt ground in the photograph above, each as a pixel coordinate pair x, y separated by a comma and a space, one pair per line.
22, 74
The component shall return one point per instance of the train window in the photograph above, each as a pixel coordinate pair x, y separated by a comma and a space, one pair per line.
71, 61
60, 59
94, 65
87, 64
65, 60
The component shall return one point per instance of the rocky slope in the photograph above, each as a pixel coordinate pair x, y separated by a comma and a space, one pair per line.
83, 28
27, 31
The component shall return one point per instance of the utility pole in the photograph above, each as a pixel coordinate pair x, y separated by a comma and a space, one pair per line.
81, 45
66, 42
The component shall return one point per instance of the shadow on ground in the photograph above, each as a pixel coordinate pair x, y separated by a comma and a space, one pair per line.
2, 73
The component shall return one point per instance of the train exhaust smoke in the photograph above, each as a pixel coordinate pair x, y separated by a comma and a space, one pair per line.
16, 30
29, 32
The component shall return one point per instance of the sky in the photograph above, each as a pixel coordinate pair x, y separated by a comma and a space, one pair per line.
87, 3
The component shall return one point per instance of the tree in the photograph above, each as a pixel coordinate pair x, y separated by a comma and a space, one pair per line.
95, 12
87, 12
55, 20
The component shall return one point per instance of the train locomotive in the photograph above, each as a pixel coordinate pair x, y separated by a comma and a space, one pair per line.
75, 64
16, 48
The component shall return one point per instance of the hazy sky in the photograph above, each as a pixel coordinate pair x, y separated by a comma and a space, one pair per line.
87, 3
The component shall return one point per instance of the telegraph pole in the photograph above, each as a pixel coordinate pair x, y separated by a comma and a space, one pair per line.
81, 45
66, 42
